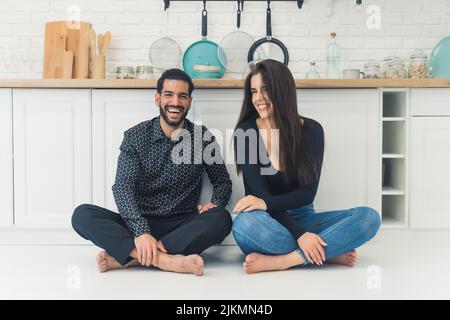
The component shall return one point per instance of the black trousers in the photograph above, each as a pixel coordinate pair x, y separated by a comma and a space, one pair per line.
190, 234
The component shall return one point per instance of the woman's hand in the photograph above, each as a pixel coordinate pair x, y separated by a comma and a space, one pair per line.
250, 203
312, 246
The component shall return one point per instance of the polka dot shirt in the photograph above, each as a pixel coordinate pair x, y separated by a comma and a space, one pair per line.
149, 184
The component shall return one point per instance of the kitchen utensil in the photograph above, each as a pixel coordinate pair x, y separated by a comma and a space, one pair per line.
268, 47
75, 34
165, 53
67, 65
100, 43
58, 58
203, 52
98, 71
106, 42
440, 59
233, 48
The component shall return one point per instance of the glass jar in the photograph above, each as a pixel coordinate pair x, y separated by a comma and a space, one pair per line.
386, 62
124, 72
372, 70
396, 70
312, 73
144, 72
418, 66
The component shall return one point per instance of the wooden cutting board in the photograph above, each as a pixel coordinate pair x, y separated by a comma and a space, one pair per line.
76, 43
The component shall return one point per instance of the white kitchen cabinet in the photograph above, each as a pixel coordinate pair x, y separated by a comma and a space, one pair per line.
351, 166
351, 173
113, 112
430, 172
52, 155
6, 159
219, 110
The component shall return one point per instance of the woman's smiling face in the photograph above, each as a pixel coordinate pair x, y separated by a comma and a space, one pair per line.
260, 99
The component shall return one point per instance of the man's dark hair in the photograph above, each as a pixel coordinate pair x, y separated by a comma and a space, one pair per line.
174, 74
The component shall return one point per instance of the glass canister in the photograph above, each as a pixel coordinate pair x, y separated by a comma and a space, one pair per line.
125, 72
144, 72
386, 62
372, 70
418, 66
396, 70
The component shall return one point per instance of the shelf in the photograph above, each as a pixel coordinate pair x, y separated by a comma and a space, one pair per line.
388, 190
393, 156
394, 119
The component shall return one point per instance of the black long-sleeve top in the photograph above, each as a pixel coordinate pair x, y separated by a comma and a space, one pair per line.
272, 188
149, 183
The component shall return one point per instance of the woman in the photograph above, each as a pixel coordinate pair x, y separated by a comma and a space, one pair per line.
277, 227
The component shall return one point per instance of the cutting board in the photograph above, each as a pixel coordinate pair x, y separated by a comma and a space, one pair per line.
75, 33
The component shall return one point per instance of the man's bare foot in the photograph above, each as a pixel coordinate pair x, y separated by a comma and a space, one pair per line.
347, 259
182, 264
256, 262
105, 262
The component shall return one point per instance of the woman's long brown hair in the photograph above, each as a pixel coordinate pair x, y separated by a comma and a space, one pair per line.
297, 160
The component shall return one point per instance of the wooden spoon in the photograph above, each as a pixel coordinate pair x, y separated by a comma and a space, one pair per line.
106, 41
100, 43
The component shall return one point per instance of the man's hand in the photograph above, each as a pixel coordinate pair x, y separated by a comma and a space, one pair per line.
147, 249
250, 203
205, 207
312, 246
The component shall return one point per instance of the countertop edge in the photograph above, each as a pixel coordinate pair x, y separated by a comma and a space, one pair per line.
223, 83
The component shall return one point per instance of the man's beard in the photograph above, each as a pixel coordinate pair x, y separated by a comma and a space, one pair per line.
163, 111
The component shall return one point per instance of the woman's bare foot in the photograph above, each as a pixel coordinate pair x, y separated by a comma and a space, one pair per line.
105, 262
256, 262
182, 264
347, 259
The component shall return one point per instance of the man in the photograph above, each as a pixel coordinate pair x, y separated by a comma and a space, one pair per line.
159, 222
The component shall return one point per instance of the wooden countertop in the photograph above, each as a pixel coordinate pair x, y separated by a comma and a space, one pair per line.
222, 83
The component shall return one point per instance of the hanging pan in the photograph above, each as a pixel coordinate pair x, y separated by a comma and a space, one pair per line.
268, 47
233, 48
200, 60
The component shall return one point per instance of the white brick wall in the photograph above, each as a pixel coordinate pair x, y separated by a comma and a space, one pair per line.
406, 25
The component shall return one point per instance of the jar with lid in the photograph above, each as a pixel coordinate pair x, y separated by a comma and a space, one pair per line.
125, 72
418, 66
386, 62
312, 73
144, 72
372, 70
395, 69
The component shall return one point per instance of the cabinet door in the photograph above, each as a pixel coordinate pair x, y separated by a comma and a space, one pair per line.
351, 173
430, 172
52, 143
6, 159
219, 110
113, 112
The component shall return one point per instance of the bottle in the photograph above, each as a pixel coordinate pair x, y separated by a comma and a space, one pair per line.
312, 73
333, 58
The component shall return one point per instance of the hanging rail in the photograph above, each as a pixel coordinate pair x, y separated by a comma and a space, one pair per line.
299, 2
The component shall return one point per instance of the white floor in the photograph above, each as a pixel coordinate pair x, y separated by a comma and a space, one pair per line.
398, 264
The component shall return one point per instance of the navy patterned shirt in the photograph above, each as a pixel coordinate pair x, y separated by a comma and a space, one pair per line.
150, 184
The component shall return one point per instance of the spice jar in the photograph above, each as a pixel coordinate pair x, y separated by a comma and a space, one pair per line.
144, 72
418, 66
124, 72
372, 70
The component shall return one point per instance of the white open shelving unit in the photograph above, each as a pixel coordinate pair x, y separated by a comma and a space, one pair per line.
395, 124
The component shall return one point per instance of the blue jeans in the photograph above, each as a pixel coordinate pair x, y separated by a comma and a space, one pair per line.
343, 230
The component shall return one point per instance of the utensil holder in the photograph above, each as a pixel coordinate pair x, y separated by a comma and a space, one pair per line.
98, 67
